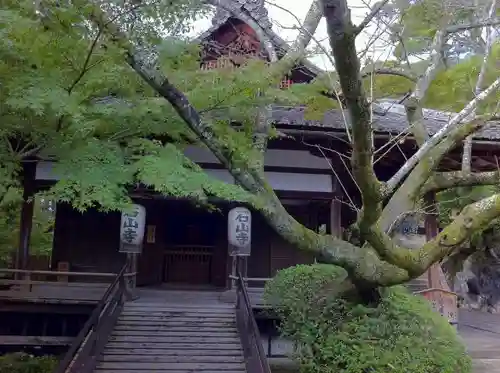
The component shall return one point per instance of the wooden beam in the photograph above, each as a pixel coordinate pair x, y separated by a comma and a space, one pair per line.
46, 308
20, 340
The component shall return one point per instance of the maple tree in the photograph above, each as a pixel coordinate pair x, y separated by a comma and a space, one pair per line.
87, 83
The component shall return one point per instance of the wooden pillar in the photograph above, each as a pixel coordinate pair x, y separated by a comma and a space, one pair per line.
336, 218
132, 281
444, 301
431, 231
336, 207
26, 219
435, 276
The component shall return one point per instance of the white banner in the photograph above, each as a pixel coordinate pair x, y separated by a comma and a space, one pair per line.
132, 228
239, 231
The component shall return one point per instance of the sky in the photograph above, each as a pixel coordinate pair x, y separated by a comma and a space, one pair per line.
284, 23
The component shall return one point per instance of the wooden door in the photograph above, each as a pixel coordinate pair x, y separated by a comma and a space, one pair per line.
189, 265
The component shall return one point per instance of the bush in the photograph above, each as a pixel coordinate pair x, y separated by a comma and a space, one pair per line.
24, 363
399, 334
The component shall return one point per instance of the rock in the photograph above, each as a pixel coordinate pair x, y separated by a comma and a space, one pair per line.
478, 284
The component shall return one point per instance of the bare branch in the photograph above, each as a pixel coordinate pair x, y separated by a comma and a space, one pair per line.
413, 107
298, 47
388, 71
467, 152
484, 23
409, 192
336, 96
438, 136
374, 11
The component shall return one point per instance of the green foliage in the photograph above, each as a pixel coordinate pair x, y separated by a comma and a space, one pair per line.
169, 172
311, 95
419, 20
452, 88
41, 233
339, 334
68, 90
24, 363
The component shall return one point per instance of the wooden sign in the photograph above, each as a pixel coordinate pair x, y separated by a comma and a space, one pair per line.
239, 231
151, 234
444, 302
132, 229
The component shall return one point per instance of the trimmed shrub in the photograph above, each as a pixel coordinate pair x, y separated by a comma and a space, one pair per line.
25, 363
399, 334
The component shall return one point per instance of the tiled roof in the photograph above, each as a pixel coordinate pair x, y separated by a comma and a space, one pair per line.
388, 117
385, 120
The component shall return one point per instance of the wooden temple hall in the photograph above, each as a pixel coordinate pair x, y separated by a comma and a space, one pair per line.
160, 287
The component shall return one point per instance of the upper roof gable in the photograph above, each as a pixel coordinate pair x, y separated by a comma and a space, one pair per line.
227, 10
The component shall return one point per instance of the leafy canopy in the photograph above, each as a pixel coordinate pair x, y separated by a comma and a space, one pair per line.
68, 95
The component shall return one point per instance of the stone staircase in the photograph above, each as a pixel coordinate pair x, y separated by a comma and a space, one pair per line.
174, 335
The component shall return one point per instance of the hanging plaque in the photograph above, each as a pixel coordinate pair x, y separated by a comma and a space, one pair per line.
132, 229
239, 231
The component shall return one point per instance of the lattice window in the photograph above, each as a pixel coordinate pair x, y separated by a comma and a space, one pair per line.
209, 65
285, 83
220, 63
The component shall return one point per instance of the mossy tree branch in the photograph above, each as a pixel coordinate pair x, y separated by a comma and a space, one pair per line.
473, 218
405, 197
342, 36
446, 180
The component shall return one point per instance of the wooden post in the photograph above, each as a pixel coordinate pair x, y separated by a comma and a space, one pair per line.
335, 206
234, 264
132, 268
26, 217
336, 218
243, 265
431, 230
438, 293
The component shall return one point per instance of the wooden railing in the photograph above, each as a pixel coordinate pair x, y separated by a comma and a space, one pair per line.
88, 345
255, 357
58, 286
23, 277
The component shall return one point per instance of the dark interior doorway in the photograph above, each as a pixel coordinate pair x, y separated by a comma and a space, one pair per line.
193, 239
